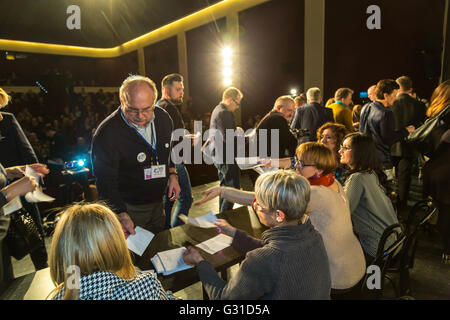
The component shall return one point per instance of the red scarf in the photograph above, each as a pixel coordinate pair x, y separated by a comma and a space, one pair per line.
326, 180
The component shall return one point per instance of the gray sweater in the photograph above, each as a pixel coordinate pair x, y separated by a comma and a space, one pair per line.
371, 209
289, 262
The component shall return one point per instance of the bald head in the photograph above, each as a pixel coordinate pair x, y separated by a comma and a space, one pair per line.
286, 106
371, 92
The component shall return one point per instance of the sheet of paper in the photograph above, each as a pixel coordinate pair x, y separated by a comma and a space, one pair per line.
38, 196
140, 241
204, 221
216, 244
248, 163
172, 261
13, 205
157, 264
262, 170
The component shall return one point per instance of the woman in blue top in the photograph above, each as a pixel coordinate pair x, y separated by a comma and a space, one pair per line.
371, 209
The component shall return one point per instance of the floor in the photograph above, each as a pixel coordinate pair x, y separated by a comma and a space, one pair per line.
430, 278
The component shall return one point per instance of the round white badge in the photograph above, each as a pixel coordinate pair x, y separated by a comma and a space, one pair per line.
141, 157
167, 145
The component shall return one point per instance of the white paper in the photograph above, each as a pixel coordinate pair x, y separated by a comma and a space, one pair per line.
140, 241
262, 170
171, 261
204, 221
216, 244
248, 163
37, 195
13, 205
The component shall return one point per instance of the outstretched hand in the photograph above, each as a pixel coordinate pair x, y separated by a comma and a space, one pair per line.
209, 194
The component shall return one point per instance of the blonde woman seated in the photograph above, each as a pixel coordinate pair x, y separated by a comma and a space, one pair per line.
289, 262
328, 210
89, 238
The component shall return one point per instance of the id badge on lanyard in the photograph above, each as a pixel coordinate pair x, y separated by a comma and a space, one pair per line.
155, 171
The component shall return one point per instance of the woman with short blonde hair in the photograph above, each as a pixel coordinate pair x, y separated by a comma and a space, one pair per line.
89, 238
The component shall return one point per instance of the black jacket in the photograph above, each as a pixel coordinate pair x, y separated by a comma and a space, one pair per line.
15, 149
287, 143
120, 176
378, 121
311, 117
407, 111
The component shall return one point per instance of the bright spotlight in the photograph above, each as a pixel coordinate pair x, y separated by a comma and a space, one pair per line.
227, 62
293, 92
227, 81
227, 52
227, 72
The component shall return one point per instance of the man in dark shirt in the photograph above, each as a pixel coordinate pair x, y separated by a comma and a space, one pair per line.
278, 118
407, 111
131, 158
172, 97
222, 120
312, 116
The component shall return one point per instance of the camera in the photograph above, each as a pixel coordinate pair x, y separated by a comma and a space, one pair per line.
300, 133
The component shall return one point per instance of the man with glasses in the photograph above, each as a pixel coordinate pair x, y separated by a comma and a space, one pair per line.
131, 158
222, 119
172, 97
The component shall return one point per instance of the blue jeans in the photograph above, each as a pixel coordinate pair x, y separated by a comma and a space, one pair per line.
184, 201
228, 177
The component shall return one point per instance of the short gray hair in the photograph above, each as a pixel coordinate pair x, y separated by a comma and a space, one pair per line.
284, 190
131, 83
313, 94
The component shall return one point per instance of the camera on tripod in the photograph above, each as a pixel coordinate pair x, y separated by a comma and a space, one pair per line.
75, 167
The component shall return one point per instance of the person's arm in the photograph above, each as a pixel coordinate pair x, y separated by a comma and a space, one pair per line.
347, 119
354, 190
251, 282
387, 130
24, 147
105, 164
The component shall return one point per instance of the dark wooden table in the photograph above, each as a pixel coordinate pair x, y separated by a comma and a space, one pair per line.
185, 235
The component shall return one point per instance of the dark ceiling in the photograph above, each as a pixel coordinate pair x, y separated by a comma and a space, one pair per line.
104, 23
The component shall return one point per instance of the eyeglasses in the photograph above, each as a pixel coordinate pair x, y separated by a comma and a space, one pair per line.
136, 112
238, 103
301, 164
344, 148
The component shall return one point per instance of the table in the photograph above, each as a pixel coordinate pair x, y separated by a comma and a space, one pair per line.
182, 236
37, 285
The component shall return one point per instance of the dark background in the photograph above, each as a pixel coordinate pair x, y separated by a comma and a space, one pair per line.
271, 53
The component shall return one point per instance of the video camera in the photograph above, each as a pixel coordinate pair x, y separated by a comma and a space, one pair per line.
300, 133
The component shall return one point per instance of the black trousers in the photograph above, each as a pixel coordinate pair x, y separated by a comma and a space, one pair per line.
228, 177
443, 225
403, 171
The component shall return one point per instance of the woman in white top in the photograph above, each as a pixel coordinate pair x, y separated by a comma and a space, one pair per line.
328, 210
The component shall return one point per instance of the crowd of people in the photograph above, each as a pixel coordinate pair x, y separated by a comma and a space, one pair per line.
325, 200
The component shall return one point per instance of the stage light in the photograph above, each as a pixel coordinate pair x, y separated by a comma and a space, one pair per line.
227, 72
80, 163
227, 52
293, 92
227, 62
227, 81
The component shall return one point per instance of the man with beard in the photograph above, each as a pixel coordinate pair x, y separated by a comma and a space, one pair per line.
172, 97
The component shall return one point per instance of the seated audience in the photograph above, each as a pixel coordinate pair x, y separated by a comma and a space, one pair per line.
281, 200
371, 209
90, 237
328, 210
332, 135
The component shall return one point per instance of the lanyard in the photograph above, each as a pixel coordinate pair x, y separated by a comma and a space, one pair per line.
4, 173
338, 102
154, 150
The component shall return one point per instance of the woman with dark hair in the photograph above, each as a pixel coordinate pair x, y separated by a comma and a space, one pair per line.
331, 135
436, 171
371, 210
